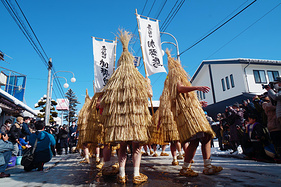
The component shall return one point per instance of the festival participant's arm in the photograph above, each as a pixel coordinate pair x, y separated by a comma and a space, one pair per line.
184, 89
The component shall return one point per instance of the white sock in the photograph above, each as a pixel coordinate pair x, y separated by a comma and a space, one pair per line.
121, 171
207, 162
101, 160
97, 155
86, 156
136, 171
175, 158
186, 165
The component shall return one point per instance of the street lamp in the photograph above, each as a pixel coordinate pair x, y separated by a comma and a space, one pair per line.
177, 45
49, 93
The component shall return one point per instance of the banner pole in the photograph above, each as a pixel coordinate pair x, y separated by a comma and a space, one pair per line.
115, 46
152, 110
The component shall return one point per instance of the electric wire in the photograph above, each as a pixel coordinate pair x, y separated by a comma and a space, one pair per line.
11, 10
161, 9
173, 15
31, 29
22, 28
244, 30
218, 27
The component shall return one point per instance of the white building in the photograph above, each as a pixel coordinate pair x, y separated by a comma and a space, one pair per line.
232, 80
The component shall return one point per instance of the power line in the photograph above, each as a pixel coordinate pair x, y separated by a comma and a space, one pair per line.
32, 29
244, 30
161, 9
23, 29
167, 17
11, 10
173, 15
218, 27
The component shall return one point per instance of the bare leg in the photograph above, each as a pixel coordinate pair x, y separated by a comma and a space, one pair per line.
164, 148
191, 150
122, 156
86, 152
206, 147
173, 149
178, 145
154, 147
106, 153
136, 158
145, 148
185, 146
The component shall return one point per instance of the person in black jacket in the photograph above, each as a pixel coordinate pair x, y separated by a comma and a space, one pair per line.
63, 134
25, 129
257, 137
15, 132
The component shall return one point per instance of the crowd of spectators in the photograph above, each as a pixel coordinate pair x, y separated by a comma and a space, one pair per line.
252, 124
25, 132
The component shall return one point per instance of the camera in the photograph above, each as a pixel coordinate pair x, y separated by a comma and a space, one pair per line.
270, 85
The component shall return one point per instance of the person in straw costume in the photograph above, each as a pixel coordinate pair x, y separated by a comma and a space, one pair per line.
167, 123
192, 124
84, 128
109, 167
125, 109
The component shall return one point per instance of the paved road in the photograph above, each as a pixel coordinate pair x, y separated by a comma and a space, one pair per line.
66, 170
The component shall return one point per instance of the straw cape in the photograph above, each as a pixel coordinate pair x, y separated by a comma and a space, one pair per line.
82, 123
156, 131
167, 123
125, 100
186, 108
96, 132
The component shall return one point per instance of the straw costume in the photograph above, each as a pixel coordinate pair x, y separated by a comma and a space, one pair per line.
84, 128
190, 118
125, 110
167, 123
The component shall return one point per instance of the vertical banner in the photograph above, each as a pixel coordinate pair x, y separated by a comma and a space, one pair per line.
151, 45
104, 58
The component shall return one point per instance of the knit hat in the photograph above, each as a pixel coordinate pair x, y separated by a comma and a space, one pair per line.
19, 118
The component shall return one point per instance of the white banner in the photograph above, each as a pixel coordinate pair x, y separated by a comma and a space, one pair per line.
151, 45
104, 56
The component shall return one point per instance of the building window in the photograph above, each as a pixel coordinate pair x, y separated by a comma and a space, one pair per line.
272, 75
201, 95
259, 76
227, 83
232, 81
223, 84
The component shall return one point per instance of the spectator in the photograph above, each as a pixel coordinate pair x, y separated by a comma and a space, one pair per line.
6, 126
237, 115
22, 144
15, 135
6, 148
73, 137
43, 151
273, 126
25, 129
219, 130
64, 137
257, 137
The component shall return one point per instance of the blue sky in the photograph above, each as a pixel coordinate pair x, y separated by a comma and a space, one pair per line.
64, 29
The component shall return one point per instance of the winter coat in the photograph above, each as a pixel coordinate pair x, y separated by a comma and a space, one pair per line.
43, 152
276, 97
238, 121
15, 132
4, 146
272, 123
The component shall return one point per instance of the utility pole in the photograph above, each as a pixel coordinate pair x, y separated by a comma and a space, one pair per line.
48, 99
